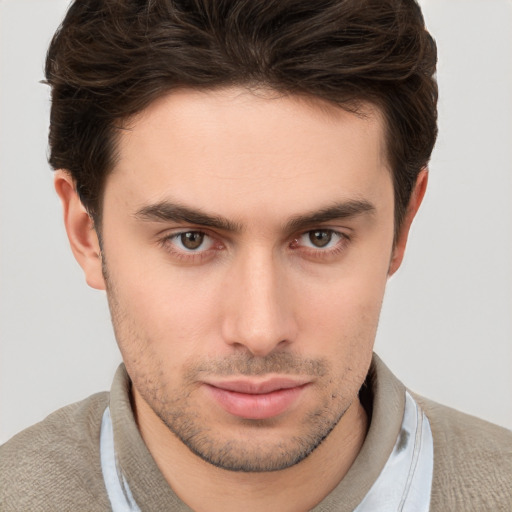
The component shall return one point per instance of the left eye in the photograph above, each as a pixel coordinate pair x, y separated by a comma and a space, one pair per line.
190, 241
320, 239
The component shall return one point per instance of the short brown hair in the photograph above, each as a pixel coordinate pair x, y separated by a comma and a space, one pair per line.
110, 59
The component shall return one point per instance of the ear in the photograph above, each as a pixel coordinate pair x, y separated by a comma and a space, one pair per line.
80, 229
414, 203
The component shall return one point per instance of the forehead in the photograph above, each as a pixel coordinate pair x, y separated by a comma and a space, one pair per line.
238, 148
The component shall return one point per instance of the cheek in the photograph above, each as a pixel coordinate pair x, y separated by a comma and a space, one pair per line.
159, 310
345, 335
342, 315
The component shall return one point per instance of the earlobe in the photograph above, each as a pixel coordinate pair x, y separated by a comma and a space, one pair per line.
82, 236
414, 203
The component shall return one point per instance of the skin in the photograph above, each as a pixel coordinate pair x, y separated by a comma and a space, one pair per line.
288, 205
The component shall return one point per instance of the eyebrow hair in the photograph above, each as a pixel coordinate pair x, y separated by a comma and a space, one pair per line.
341, 210
171, 212
167, 211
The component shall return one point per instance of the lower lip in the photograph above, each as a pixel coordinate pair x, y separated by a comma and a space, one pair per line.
256, 407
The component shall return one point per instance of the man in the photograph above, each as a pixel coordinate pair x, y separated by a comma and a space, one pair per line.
241, 178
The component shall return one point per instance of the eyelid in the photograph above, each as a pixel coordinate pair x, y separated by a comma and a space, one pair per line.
320, 253
217, 244
342, 233
170, 233
166, 241
334, 235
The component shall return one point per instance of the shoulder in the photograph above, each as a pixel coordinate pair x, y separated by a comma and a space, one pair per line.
55, 464
472, 461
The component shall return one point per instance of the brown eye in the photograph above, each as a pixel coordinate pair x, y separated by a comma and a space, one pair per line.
320, 237
192, 240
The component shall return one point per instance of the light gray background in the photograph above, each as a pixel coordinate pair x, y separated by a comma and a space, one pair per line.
446, 327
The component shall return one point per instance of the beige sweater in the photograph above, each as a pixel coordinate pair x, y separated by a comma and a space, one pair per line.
55, 465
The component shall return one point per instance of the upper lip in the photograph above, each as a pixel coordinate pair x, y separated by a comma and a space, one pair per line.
252, 387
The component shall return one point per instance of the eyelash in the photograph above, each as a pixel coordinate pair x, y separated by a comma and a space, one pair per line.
190, 256
198, 256
319, 253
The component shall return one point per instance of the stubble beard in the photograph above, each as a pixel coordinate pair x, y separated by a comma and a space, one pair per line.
249, 453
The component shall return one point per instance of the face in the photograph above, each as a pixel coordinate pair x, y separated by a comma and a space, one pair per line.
247, 241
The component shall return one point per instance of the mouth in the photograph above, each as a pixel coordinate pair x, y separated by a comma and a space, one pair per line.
257, 400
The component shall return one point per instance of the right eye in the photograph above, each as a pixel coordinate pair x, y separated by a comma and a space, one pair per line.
190, 241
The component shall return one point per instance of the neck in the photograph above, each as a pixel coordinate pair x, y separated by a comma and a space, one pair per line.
206, 488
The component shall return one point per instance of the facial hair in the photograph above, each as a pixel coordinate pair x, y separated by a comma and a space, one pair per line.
250, 452
245, 447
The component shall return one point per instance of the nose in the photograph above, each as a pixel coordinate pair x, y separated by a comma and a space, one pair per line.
258, 311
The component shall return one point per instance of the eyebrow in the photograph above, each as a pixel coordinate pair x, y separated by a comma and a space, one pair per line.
166, 211
343, 210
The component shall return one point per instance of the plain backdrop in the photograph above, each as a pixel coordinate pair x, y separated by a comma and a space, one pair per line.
446, 326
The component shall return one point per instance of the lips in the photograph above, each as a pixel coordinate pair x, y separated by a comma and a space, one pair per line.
256, 400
